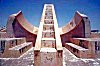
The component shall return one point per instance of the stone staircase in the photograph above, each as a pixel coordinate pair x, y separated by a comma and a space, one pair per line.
77, 50
48, 47
84, 47
13, 47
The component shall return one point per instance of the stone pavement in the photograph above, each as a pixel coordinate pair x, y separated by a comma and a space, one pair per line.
71, 60
25, 60
68, 60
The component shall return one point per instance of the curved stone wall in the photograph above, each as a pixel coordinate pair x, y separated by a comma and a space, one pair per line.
18, 26
78, 27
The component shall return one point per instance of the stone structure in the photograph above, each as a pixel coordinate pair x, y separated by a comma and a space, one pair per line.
91, 47
95, 35
84, 47
13, 47
18, 26
78, 27
48, 39
3, 35
48, 47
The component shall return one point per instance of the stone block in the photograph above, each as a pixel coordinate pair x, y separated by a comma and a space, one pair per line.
48, 57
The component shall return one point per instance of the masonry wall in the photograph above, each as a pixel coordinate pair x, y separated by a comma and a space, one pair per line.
17, 26
3, 35
78, 27
20, 32
78, 31
95, 35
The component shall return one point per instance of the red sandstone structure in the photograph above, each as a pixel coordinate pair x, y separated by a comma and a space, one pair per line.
48, 39
48, 49
18, 26
18, 38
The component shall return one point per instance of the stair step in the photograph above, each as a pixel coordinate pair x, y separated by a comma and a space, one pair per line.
20, 46
76, 46
48, 38
48, 50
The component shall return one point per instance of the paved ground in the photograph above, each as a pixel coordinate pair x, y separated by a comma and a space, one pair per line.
72, 60
68, 60
25, 60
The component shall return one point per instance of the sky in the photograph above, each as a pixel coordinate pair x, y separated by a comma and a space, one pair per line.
65, 10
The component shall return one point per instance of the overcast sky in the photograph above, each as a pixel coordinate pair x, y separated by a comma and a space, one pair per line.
65, 10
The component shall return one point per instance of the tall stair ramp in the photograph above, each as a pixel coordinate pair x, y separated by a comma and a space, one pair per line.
48, 49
